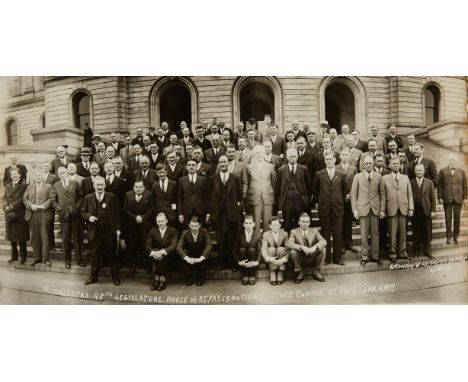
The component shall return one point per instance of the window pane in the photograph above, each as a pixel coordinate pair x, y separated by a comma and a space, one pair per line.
83, 105
12, 133
430, 100
429, 116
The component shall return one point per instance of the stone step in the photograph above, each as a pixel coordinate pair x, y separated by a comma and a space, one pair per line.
441, 256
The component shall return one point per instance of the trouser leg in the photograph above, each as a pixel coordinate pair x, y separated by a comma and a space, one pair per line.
14, 250
374, 231
392, 223
456, 219
402, 223
448, 209
364, 223
66, 241
337, 225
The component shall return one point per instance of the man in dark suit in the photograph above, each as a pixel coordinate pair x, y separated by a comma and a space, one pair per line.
452, 190
379, 163
212, 155
145, 173
404, 168
200, 139
121, 172
293, 190
202, 168
409, 150
194, 248
192, 194
154, 155
319, 157
116, 145
49, 178
164, 195
304, 156
152, 133
38, 199
392, 136
163, 139
424, 210
430, 169
296, 131
161, 244
358, 142
138, 214
134, 162
113, 183
174, 170
126, 153
312, 145
271, 158
139, 137
61, 160
240, 132
278, 144
101, 211
87, 183
67, 204
14, 165
186, 138
248, 250
224, 210
82, 167
329, 190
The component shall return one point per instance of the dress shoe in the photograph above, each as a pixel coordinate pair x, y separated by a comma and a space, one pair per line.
82, 264
189, 281
364, 262
34, 262
251, 281
352, 249
339, 263
449, 241
90, 281
234, 269
298, 281
245, 280
11, 260
429, 255
200, 281
392, 259
327, 262
116, 282
48, 263
279, 282
318, 276
68, 266
22, 261
155, 285
161, 286
271, 282
455, 240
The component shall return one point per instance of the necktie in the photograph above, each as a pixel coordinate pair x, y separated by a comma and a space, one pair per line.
108, 180
369, 178
306, 240
86, 165
330, 174
419, 182
215, 152
223, 178
138, 197
192, 181
162, 187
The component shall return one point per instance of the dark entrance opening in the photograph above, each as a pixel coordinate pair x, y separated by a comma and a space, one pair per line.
175, 105
339, 106
256, 99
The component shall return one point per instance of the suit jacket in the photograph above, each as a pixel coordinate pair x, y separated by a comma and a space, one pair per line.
163, 144
144, 208
306, 159
233, 190
117, 147
22, 170
56, 163
276, 161
278, 146
188, 247
205, 145
303, 185
350, 174
361, 145
44, 197
319, 162
134, 164
78, 179
452, 188
149, 180
159, 159
383, 171
241, 172
251, 145
430, 170
67, 201
87, 186
192, 198
397, 139
244, 157
81, 170
210, 157
100, 160
117, 187
337, 146
165, 201
409, 155
299, 133
51, 179
128, 179
269, 242
330, 195
355, 157
112, 212
381, 144
255, 242
296, 239
395, 197
314, 149
17, 229
365, 197
424, 197
389, 157
126, 156
168, 242
262, 183
176, 174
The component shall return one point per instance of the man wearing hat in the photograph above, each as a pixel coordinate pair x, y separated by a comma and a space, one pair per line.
82, 168
323, 131
94, 146
152, 133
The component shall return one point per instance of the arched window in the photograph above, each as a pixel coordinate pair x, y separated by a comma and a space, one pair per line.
431, 104
81, 109
12, 132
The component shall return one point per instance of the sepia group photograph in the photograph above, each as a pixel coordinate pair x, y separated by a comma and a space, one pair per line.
202, 190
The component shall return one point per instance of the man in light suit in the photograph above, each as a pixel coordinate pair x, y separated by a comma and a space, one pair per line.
262, 183
329, 190
452, 190
336, 143
307, 248
424, 210
145, 173
381, 143
101, 157
244, 154
224, 210
67, 203
293, 190
72, 175
38, 199
271, 158
366, 207
349, 171
274, 250
126, 152
397, 204
354, 153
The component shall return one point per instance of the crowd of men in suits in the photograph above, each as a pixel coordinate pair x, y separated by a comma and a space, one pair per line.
160, 192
